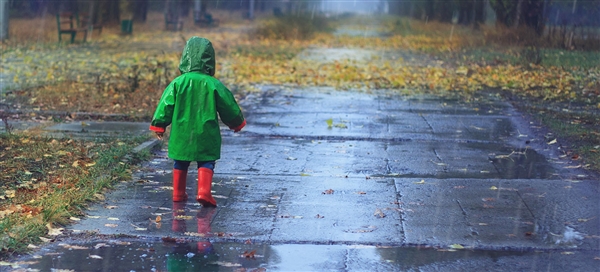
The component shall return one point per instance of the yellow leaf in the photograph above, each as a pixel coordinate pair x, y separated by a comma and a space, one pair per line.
457, 246
420, 182
90, 164
493, 188
552, 142
329, 122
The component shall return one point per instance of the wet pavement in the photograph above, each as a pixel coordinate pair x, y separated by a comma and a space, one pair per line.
345, 181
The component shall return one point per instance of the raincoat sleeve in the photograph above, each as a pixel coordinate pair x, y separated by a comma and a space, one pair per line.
229, 111
164, 111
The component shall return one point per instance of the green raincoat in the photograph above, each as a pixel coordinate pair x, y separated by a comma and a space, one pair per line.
190, 104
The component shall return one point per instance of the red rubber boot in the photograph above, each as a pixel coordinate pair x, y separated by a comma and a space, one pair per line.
179, 179
204, 196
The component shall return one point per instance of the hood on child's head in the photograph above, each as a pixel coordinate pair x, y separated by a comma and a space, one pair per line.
198, 56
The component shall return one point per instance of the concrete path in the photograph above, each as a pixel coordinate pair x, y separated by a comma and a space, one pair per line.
344, 181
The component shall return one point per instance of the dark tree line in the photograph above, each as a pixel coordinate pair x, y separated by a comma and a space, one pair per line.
114, 10
534, 14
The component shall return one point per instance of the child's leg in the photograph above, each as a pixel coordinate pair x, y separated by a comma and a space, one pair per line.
179, 180
205, 175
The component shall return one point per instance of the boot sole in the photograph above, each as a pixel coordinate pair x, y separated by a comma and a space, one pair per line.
206, 203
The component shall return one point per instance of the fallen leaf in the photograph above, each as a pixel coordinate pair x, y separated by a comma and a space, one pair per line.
567, 253
54, 231
226, 264
158, 219
112, 219
379, 213
328, 192
249, 255
96, 257
420, 182
101, 245
111, 225
46, 240
493, 188
552, 142
457, 246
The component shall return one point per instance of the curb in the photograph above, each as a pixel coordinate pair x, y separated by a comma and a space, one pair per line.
147, 145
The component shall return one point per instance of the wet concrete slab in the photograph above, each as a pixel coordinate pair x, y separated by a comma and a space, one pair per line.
353, 115
384, 178
500, 213
152, 255
372, 157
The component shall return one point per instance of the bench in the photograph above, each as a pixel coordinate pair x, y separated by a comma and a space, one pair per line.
68, 24
205, 19
86, 21
173, 22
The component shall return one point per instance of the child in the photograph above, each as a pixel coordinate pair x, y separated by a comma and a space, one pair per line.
190, 105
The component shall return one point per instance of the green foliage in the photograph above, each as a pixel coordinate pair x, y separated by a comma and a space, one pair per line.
72, 174
292, 27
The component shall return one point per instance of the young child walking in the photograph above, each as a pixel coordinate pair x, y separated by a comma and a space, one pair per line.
190, 104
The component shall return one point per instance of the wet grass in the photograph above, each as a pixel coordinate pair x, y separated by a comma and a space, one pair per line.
578, 133
49, 182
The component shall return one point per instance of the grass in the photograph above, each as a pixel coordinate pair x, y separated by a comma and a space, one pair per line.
577, 132
50, 181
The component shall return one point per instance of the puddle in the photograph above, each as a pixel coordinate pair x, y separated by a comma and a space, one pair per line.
336, 54
522, 164
207, 256
360, 32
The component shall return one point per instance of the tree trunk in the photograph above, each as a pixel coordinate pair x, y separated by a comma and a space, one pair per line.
140, 10
478, 13
4, 20
518, 14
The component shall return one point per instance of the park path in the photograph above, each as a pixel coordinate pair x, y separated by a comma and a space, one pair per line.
322, 179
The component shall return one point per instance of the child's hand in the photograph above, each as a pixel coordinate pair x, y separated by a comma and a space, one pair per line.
159, 135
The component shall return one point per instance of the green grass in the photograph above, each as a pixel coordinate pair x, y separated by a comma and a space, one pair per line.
567, 58
578, 133
52, 180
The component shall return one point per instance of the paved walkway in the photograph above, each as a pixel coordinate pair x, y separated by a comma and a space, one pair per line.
328, 180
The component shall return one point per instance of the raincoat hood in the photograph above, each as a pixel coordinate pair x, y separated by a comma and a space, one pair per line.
198, 56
